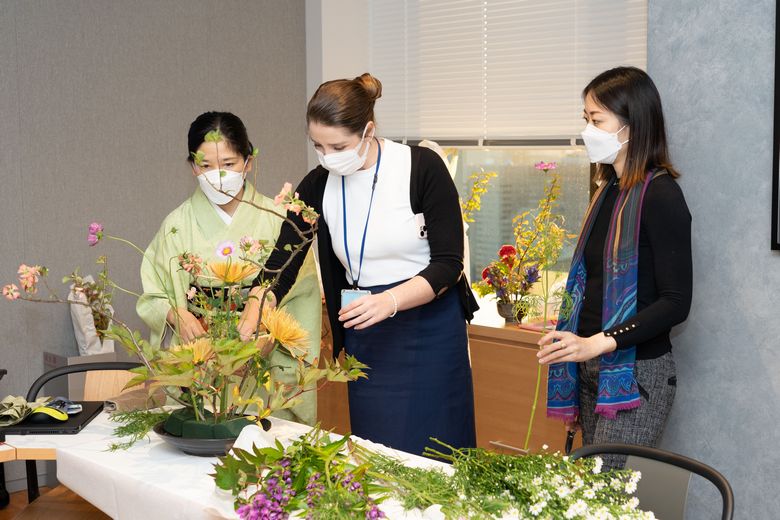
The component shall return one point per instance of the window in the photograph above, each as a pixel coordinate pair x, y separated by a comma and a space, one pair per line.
501, 80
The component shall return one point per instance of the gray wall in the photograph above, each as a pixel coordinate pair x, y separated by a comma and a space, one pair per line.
95, 101
713, 63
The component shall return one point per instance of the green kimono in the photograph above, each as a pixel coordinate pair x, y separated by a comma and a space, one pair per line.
199, 229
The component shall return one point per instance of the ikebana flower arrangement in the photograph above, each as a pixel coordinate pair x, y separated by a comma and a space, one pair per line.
321, 477
220, 381
539, 238
510, 278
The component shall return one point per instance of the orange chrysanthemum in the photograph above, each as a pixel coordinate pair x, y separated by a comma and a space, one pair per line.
232, 272
285, 329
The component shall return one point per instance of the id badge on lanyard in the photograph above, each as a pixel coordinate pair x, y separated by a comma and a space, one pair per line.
350, 295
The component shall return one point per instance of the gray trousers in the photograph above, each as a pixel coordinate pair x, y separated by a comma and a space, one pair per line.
643, 426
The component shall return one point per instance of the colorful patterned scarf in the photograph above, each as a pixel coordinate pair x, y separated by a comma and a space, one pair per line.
617, 387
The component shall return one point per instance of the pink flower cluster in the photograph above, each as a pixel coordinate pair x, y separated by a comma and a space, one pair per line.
191, 263
28, 277
293, 203
251, 246
11, 292
546, 166
95, 233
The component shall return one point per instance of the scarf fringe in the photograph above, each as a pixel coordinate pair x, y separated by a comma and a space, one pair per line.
609, 411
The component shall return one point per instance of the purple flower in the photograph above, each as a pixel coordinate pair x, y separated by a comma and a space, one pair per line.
95, 233
532, 274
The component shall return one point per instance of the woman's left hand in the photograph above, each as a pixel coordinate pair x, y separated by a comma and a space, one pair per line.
560, 346
367, 310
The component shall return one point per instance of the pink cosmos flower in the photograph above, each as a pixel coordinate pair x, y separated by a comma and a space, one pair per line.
545, 166
225, 249
191, 293
11, 292
95, 233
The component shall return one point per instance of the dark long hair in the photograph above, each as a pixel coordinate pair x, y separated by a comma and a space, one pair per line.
347, 103
229, 125
630, 94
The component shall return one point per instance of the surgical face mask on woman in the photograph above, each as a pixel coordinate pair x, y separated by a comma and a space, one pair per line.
220, 188
346, 162
602, 146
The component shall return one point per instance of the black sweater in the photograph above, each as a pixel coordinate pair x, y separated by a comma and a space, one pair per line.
431, 192
665, 271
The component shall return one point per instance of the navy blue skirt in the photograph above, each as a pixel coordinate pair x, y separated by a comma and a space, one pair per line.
419, 381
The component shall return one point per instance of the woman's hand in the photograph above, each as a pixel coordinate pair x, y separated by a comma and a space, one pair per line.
247, 324
367, 310
559, 346
187, 326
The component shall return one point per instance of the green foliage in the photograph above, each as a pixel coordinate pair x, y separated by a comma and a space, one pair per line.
214, 136
326, 480
485, 485
136, 425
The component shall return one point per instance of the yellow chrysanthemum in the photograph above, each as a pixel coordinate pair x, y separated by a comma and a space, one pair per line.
285, 329
232, 272
202, 350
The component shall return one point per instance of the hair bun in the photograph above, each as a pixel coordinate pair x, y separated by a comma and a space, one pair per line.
371, 85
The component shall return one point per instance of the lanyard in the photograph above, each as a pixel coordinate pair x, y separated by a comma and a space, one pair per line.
368, 216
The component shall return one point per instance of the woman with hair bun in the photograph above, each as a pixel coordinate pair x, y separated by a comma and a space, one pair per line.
390, 245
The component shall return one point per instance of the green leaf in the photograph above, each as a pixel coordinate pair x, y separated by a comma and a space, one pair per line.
214, 136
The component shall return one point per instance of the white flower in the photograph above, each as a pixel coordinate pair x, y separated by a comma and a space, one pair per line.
578, 508
630, 487
615, 483
563, 491
635, 476
578, 483
599, 464
547, 466
544, 446
537, 508
590, 494
598, 486
632, 504
537, 481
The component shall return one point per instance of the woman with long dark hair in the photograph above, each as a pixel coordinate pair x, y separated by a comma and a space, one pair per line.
611, 372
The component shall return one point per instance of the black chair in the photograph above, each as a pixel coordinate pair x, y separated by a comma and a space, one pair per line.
5, 498
33, 491
666, 458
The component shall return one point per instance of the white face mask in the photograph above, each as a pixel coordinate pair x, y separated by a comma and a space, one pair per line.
212, 185
603, 147
346, 162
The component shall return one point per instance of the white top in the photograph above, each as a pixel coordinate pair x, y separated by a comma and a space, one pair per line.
226, 218
394, 250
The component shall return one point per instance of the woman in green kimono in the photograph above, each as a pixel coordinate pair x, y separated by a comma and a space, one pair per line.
207, 224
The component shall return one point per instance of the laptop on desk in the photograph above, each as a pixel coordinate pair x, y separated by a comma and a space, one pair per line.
74, 424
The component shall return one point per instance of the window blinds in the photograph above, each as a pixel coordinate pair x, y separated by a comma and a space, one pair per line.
496, 69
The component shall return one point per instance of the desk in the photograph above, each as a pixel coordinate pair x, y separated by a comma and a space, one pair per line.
153, 480
7, 453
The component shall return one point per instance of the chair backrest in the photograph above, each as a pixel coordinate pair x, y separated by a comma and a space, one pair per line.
667, 470
100, 385
35, 388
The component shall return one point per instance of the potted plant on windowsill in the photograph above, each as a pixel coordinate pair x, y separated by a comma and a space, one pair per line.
219, 381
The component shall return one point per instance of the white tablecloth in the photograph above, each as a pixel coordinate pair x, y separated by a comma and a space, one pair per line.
153, 480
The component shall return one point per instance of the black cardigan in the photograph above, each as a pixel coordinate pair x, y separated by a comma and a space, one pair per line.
664, 284
431, 192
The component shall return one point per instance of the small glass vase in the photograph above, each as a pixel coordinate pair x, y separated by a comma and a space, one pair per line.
507, 311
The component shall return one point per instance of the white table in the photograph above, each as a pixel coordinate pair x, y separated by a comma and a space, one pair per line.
153, 480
